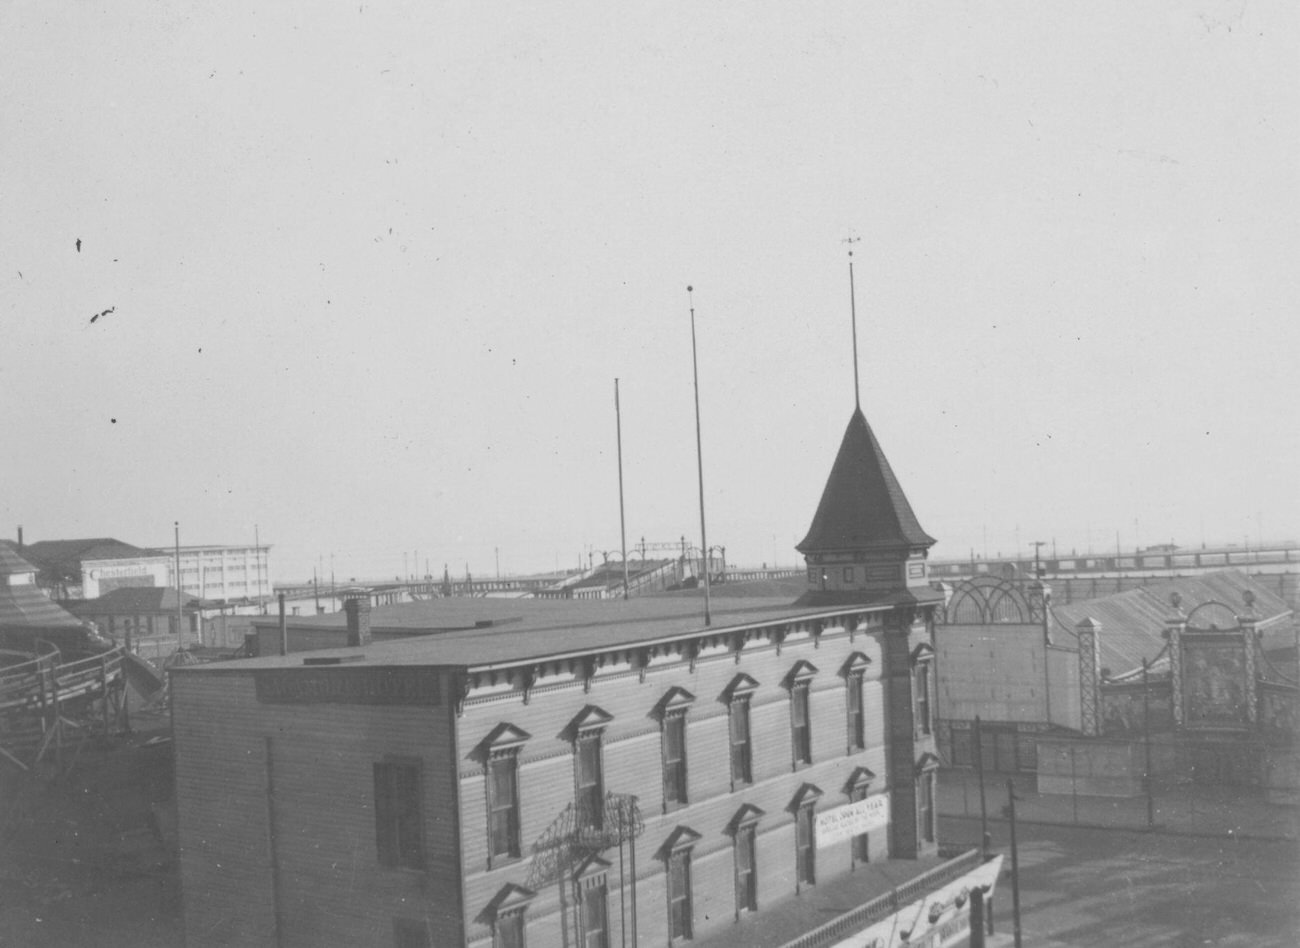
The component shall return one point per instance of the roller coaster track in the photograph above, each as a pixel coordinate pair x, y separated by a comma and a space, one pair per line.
34, 685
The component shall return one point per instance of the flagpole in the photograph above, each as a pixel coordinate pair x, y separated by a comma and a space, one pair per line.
699, 457
622, 523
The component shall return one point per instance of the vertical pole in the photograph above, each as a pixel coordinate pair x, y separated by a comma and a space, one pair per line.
976, 917
622, 524
699, 457
103, 689
1146, 740
58, 719
272, 844
180, 596
284, 628
1015, 862
622, 883
979, 770
853, 315
1074, 785
631, 856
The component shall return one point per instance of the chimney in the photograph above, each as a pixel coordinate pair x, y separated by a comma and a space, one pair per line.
358, 610
20, 536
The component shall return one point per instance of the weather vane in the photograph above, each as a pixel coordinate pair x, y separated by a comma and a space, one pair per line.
853, 315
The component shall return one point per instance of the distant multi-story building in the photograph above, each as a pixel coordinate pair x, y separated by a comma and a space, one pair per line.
90, 568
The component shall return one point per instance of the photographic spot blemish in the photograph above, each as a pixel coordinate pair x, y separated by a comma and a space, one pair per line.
113, 420
78, 245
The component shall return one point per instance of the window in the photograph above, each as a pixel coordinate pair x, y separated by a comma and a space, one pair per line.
861, 842
398, 823
741, 751
680, 922
410, 933
510, 931
506, 913
800, 725
848, 575
503, 803
591, 790
857, 730
674, 748
925, 805
921, 689
595, 916
805, 851
746, 870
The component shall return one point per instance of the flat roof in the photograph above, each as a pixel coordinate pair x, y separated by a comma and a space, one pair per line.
516, 631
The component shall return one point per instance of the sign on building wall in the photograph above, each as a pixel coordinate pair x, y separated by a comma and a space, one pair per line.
852, 819
393, 685
940, 920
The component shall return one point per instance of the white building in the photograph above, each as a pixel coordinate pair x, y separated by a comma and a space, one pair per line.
227, 573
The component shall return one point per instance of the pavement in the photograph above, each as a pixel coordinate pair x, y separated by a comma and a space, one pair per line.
1214, 812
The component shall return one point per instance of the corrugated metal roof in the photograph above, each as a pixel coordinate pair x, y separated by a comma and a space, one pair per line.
1133, 622
11, 562
24, 605
862, 505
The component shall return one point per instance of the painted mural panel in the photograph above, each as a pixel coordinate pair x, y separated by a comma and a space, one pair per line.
1214, 685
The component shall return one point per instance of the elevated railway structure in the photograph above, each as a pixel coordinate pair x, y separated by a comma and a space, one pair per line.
1091, 575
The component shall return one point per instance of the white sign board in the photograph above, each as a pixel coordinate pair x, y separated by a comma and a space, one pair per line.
852, 819
940, 920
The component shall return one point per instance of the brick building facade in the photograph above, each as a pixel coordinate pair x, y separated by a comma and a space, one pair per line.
607, 778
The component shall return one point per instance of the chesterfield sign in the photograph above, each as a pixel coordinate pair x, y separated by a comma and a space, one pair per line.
395, 685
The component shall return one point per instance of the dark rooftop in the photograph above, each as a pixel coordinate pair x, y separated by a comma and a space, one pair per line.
485, 632
133, 600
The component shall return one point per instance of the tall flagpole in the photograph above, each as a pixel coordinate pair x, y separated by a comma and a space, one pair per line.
622, 524
699, 458
853, 315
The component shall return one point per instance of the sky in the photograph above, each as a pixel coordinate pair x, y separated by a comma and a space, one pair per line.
358, 279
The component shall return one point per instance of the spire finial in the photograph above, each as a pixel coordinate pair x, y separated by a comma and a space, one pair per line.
853, 315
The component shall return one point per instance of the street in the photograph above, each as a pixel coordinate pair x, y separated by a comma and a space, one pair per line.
1082, 886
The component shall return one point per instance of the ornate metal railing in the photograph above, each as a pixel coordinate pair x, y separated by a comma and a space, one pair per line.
885, 905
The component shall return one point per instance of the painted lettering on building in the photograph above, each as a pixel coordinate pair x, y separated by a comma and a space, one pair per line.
852, 819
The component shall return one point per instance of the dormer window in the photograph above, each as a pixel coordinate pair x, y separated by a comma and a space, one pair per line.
799, 682
671, 712
922, 662
853, 672
736, 696
587, 731
500, 753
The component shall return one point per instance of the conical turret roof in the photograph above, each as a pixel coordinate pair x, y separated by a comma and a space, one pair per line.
863, 506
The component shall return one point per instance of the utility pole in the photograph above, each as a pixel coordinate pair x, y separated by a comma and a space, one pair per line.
180, 596
978, 741
1146, 741
1015, 861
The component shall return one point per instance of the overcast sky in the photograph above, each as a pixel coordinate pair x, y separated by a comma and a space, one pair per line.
363, 274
